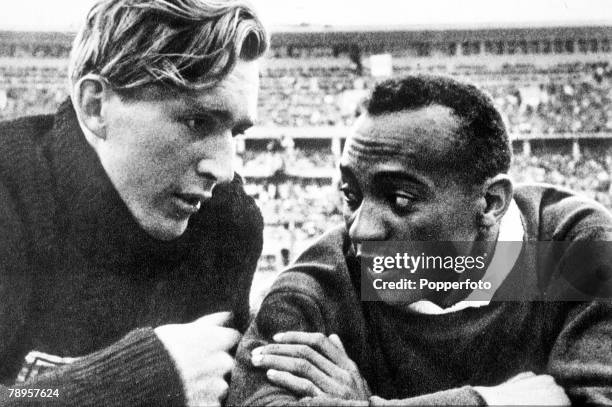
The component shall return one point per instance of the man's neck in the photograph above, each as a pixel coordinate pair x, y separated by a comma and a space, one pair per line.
499, 263
482, 247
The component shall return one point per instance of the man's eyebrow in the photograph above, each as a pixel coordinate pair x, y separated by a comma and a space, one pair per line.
388, 175
401, 176
196, 108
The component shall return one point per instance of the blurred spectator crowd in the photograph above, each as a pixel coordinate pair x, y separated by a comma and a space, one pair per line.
575, 99
578, 100
27, 90
298, 205
305, 206
298, 210
310, 96
579, 103
589, 174
297, 161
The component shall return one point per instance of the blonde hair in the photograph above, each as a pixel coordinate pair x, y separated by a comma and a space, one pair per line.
186, 44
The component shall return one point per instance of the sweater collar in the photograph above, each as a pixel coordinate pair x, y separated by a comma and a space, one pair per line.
91, 212
504, 258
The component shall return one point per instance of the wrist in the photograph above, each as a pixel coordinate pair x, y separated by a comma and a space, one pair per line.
136, 370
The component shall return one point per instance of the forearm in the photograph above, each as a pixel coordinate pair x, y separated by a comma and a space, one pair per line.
249, 386
581, 360
465, 396
279, 312
136, 371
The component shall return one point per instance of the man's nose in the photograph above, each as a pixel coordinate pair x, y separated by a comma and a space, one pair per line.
368, 224
218, 158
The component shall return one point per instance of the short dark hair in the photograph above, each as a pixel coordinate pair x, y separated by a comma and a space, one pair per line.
482, 147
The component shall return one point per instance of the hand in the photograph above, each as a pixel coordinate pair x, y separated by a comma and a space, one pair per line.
311, 365
200, 352
525, 389
325, 401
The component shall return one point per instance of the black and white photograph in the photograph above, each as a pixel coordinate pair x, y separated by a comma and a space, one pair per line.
305, 203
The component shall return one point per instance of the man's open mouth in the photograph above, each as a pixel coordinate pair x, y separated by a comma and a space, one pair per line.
189, 202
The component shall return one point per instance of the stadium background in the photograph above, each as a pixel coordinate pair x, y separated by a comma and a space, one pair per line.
553, 86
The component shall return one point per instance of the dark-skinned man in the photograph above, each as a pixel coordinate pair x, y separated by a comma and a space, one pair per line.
428, 162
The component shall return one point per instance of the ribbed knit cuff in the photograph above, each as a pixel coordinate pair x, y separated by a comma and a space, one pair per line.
135, 371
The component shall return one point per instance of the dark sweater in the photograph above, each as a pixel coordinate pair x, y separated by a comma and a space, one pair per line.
410, 358
77, 273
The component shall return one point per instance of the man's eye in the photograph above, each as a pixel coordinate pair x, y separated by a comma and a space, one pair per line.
402, 202
350, 197
200, 125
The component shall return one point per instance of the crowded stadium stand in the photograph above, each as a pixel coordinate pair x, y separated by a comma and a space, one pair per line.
553, 86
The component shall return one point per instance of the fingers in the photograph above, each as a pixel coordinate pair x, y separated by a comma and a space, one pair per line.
526, 388
219, 364
521, 376
295, 384
222, 389
210, 337
298, 367
203, 380
218, 318
212, 330
183, 338
212, 394
319, 359
551, 393
300, 352
318, 342
335, 339
228, 338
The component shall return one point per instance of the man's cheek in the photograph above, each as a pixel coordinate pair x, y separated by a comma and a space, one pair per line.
414, 231
430, 229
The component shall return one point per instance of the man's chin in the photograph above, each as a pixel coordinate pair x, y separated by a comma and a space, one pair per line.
167, 230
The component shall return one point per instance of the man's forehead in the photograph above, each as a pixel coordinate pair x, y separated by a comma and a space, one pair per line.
430, 123
235, 96
414, 134
240, 83
242, 79
237, 92
413, 141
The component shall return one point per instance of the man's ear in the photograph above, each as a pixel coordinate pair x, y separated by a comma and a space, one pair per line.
90, 94
498, 193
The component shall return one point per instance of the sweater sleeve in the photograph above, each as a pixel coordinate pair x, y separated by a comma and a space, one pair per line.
581, 358
240, 223
280, 311
293, 311
249, 238
135, 371
15, 284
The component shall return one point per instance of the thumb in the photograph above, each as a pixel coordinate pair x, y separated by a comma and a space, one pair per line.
218, 319
335, 339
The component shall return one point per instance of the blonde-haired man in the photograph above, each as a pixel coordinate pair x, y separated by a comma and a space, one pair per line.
108, 219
